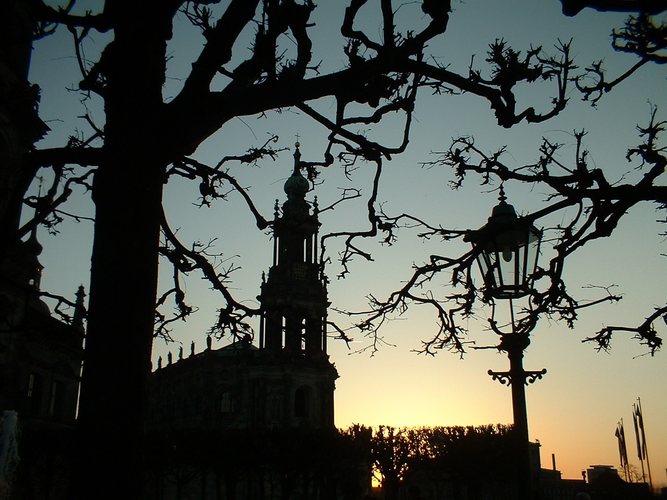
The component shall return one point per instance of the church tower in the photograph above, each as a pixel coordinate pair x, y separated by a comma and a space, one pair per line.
294, 307
294, 297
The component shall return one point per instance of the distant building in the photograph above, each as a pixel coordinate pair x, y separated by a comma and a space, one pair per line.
597, 473
605, 483
40, 364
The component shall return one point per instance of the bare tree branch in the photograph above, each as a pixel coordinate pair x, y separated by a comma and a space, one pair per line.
232, 317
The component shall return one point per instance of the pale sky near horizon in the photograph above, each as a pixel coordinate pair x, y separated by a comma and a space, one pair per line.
574, 410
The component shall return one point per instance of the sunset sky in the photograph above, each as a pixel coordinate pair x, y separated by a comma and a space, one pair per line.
574, 410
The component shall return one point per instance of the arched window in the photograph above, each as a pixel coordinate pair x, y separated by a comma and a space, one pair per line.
302, 401
56, 399
227, 402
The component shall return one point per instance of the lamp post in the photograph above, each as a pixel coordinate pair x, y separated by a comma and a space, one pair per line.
507, 251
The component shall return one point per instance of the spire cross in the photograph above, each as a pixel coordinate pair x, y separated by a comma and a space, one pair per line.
297, 156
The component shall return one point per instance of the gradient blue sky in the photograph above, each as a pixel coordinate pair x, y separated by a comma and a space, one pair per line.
574, 410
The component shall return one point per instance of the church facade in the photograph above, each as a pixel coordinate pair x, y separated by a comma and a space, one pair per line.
255, 419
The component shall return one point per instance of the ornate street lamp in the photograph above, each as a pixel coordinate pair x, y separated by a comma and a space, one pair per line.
507, 251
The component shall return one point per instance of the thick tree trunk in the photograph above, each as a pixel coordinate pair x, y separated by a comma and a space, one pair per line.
120, 329
128, 199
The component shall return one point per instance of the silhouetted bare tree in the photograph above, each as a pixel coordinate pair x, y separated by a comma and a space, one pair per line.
391, 449
146, 140
463, 457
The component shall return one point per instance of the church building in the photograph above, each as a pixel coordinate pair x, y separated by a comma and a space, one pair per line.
286, 381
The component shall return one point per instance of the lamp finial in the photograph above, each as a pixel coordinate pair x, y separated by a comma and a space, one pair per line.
501, 196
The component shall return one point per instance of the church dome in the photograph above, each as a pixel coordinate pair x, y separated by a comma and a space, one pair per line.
296, 186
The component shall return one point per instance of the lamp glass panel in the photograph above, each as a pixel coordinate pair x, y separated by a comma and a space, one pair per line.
487, 265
